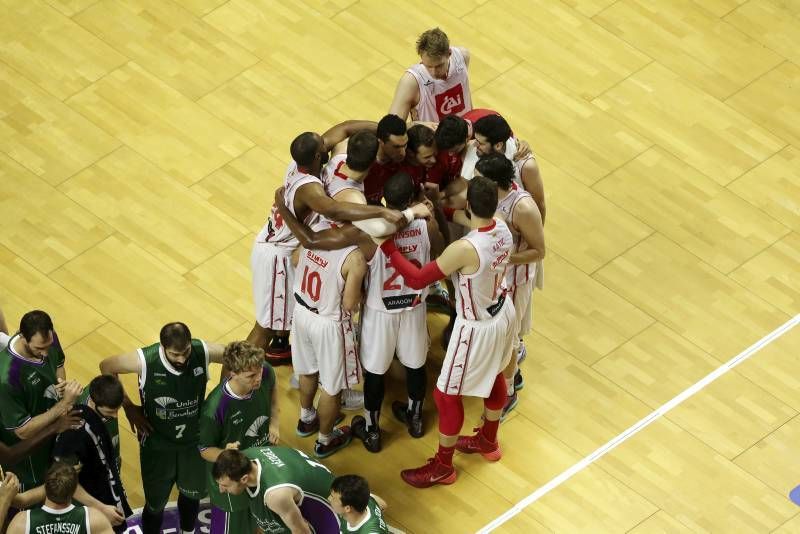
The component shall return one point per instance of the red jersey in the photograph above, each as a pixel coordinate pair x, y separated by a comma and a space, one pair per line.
446, 169
379, 173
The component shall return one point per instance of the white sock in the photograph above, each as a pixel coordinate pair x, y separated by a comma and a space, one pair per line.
324, 439
307, 414
509, 386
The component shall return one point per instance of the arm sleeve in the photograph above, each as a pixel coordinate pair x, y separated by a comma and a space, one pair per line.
415, 277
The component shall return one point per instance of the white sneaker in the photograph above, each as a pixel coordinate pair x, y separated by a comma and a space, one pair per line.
352, 399
294, 381
522, 352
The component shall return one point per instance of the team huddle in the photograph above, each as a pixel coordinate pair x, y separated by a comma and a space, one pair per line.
373, 220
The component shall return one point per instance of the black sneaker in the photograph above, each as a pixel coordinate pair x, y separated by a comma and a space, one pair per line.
371, 439
340, 438
519, 382
412, 422
279, 351
306, 429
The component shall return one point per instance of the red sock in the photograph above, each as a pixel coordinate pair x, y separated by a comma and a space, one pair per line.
445, 454
489, 430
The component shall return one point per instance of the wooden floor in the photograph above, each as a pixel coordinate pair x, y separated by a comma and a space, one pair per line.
141, 140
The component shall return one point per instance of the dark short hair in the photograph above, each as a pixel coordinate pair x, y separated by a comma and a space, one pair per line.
230, 463
362, 148
353, 490
494, 128
60, 483
419, 135
175, 336
305, 148
498, 168
106, 391
451, 132
398, 190
35, 322
433, 42
390, 125
482, 197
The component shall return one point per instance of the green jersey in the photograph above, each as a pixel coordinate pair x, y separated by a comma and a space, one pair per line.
27, 389
281, 467
111, 424
171, 399
71, 520
372, 523
226, 418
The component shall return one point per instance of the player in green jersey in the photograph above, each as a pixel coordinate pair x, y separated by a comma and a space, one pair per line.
172, 384
241, 412
359, 511
59, 515
287, 489
34, 392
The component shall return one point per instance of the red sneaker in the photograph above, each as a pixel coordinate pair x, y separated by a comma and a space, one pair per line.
432, 473
478, 443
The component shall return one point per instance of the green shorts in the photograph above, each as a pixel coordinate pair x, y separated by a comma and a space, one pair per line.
161, 468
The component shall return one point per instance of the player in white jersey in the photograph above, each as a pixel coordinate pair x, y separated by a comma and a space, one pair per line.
305, 197
327, 289
436, 86
343, 176
517, 208
393, 311
480, 347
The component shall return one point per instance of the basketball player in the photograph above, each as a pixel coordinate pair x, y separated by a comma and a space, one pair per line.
392, 311
480, 347
34, 393
172, 385
9, 488
59, 515
516, 207
4, 337
359, 511
327, 289
436, 86
94, 446
240, 413
286, 489
392, 141
270, 259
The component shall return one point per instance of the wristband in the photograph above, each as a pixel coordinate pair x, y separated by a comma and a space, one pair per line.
408, 213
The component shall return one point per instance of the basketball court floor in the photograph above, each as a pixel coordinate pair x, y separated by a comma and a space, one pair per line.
141, 142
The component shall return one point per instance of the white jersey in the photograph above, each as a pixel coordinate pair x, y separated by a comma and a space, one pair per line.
478, 294
275, 231
516, 275
334, 180
438, 98
471, 159
318, 280
386, 288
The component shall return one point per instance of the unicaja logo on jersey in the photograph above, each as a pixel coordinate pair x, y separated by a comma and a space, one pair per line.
254, 431
165, 403
51, 393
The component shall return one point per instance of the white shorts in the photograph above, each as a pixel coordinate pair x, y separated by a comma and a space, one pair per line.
383, 334
478, 351
523, 308
324, 346
4, 339
273, 279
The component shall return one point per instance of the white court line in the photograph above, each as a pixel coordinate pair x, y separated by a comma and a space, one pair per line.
627, 434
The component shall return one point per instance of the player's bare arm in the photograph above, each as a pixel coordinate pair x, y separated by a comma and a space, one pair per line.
529, 223
313, 196
128, 363
332, 239
406, 96
215, 351
436, 238
282, 502
345, 129
532, 182
353, 271
108, 511
458, 256
98, 523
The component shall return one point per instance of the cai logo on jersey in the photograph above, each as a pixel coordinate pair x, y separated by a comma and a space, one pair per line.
450, 101
254, 431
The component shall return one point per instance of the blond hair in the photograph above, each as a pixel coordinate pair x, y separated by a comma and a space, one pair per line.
241, 356
433, 42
